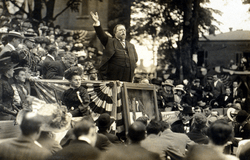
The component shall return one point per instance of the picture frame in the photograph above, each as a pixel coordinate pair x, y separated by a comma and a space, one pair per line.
139, 100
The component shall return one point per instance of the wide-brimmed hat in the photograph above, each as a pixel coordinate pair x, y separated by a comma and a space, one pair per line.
30, 33
168, 82
15, 34
6, 64
54, 117
69, 73
104, 121
179, 87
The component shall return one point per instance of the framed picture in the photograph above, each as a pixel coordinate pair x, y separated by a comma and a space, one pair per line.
139, 100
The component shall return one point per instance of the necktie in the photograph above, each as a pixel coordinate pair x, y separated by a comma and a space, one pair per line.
123, 44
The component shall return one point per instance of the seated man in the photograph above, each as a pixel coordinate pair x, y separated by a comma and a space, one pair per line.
25, 146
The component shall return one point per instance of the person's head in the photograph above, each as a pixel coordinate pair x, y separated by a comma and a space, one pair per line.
73, 74
85, 129
215, 77
187, 113
207, 110
30, 125
30, 43
199, 121
120, 32
70, 58
220, 132
164, 125
197, 109
197, 82
154, 127
52, 50
136, 132
104, 121
235, 84
228, 91
143, 119
15, 38
179, 90
20, 74
242, 116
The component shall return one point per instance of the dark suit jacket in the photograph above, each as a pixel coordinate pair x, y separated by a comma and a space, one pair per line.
239, 93
113, 138
102, 142
22, 148
56, 70
222, 102
218, 89
111, 45
77, 150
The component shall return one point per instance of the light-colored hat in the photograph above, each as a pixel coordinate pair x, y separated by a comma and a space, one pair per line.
15, 34
232, 113
168, 82
179, 87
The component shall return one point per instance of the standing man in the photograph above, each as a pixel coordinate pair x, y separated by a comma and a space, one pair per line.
119, 56
218, 87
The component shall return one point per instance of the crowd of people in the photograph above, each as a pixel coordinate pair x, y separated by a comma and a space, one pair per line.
51, 53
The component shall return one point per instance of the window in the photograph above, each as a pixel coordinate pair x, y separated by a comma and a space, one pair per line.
84, 9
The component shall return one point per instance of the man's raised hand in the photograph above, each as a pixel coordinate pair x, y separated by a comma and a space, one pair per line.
94, 16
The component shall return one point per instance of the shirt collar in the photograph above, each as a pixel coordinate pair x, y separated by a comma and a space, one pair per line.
51, 57
11, 46
82, 138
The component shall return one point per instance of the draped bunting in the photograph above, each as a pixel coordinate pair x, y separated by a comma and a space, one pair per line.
101, 95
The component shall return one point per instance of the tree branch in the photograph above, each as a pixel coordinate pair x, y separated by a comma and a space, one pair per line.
13, 2
64, 9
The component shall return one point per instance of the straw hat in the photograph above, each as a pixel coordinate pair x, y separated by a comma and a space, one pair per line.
15, 34
168, 82
179, 87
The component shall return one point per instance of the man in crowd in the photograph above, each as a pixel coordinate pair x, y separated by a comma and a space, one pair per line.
104, 123
25, 146
83, 146
137, 133
218, 87
225, 99
237, 92
157, 144
119, 56
14, 39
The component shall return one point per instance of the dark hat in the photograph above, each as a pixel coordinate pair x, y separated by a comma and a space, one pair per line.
241, 116
188, 110
69, 73
197, 80
6, 64
104, 120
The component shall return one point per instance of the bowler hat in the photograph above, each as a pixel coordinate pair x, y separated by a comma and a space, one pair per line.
188, 110
242, 116
104, 120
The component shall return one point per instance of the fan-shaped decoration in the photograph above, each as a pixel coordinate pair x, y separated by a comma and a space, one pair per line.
101, 95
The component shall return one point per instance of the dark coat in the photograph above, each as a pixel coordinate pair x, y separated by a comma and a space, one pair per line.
222, 102
112, 138
6, 99
218, 90
77, 150
198, 137
73, 104
55, 69
111, 46
22, 148
102, 142
239, 93
43, 65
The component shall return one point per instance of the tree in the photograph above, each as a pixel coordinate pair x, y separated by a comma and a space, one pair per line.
179, 22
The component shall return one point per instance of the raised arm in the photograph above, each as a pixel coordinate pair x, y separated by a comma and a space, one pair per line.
99, 31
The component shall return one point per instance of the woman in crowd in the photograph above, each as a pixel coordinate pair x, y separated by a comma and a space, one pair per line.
76, 98
7, 63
